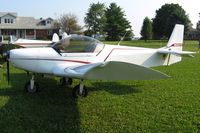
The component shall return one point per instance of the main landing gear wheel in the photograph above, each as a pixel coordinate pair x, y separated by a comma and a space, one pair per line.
66, 81
31, 86
79, 90
76, 92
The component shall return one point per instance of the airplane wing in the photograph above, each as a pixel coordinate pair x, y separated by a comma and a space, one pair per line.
109, 71
175, 52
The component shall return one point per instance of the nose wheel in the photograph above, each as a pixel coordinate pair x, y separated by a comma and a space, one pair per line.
66, 81
79, 90
31, 86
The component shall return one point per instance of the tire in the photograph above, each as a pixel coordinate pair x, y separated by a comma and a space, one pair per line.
70, 81
28, 89
64, 82
85, 92
75, 92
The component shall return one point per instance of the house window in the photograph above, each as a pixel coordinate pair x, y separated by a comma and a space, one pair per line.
29, 32
8, 21
0, 19
48, 22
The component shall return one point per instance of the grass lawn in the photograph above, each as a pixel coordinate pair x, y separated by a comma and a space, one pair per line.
167, 105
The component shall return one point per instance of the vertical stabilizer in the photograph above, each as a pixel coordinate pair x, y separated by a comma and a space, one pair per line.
55, 38
176, 38
174, 46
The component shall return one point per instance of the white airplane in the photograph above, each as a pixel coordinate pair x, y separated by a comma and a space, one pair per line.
28, 43
85, 58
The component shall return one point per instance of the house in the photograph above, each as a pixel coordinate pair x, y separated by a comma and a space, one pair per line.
192, 34
26, 27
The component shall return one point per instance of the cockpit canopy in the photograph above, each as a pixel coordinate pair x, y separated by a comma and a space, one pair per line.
78, 44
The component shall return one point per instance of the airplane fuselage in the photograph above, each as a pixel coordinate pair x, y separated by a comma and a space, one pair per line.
44, 60
86, 58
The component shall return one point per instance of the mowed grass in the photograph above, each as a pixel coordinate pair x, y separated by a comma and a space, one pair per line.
167, 105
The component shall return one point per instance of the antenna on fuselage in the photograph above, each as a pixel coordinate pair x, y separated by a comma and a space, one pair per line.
122, 38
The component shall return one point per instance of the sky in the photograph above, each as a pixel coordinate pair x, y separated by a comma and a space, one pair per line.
135, 10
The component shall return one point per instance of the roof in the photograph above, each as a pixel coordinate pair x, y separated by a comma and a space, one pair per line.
24, 23
49, 18
8, 13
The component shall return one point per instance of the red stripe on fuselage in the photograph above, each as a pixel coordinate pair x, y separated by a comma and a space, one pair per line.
176, 45
75, 61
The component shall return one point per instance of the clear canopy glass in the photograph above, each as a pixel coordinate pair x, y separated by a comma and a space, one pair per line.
78, 44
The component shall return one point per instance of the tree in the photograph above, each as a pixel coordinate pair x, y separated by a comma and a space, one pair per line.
95, 19
146, 30
56, 24
116, 25
69, 23
166, 17
129, 35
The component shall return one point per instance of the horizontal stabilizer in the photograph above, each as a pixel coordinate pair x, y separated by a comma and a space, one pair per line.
110, 71
175, 52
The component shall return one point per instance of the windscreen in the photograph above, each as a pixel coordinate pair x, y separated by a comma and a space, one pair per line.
78, 44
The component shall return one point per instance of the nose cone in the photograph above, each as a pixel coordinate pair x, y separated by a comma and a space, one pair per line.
20, 53
15, 53
25, 53
20, 57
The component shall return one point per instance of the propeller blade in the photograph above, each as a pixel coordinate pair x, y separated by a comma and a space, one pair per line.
6, 57
8, 71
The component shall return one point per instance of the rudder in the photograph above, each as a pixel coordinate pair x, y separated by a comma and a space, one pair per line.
176, 39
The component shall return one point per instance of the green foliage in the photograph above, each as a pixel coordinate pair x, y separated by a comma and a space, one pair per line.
146, 30
95, 19
129, 35
166, 17
88, 33
116, 24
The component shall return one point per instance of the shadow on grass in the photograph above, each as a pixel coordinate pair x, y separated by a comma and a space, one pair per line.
116, 88
50, 110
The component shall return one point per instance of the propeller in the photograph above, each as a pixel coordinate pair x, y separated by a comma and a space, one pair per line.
6, 57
